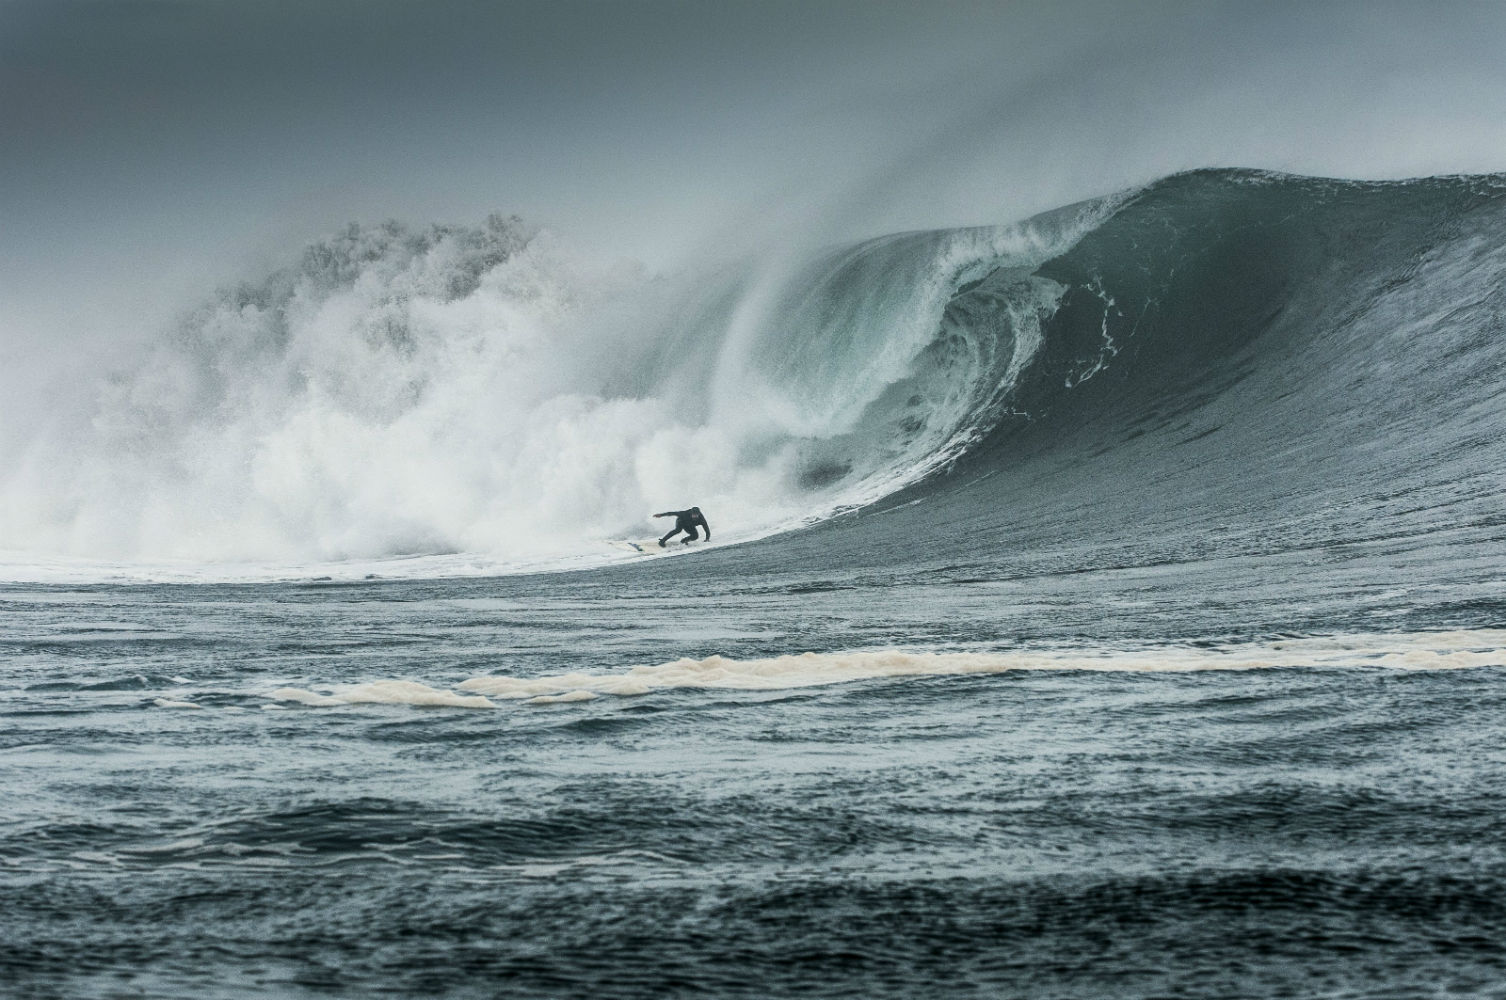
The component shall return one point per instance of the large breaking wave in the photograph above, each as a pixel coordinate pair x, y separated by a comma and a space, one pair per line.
1210, 356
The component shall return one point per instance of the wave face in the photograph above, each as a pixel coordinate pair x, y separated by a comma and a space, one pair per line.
1223, 361
1241, 364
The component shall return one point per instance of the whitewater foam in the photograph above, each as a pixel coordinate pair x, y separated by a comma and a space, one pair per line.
461, 401
391, 692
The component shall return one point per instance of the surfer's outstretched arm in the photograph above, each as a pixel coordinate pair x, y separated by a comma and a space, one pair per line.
670, 513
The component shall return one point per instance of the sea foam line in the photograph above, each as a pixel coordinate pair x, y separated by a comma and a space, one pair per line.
1456, 650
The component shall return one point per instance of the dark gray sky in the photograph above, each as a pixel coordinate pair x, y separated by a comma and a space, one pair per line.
150, 149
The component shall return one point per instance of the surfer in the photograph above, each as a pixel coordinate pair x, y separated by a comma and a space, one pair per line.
686, 521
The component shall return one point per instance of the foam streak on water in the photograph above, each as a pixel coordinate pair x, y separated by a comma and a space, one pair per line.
1421, 651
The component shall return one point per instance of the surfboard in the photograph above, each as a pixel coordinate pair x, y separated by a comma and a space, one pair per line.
645, 546
638, 546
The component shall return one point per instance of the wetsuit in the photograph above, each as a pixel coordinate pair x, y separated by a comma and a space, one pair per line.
686, 521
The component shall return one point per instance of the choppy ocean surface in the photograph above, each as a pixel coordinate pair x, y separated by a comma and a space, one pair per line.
1107, 606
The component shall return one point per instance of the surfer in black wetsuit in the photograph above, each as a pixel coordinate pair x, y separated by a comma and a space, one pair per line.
686, 521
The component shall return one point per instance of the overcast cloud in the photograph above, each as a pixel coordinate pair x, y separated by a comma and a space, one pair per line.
154, 148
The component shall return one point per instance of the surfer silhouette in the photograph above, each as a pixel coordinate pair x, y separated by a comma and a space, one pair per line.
686, 521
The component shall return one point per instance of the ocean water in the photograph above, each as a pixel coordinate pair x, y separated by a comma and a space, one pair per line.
1105, 606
